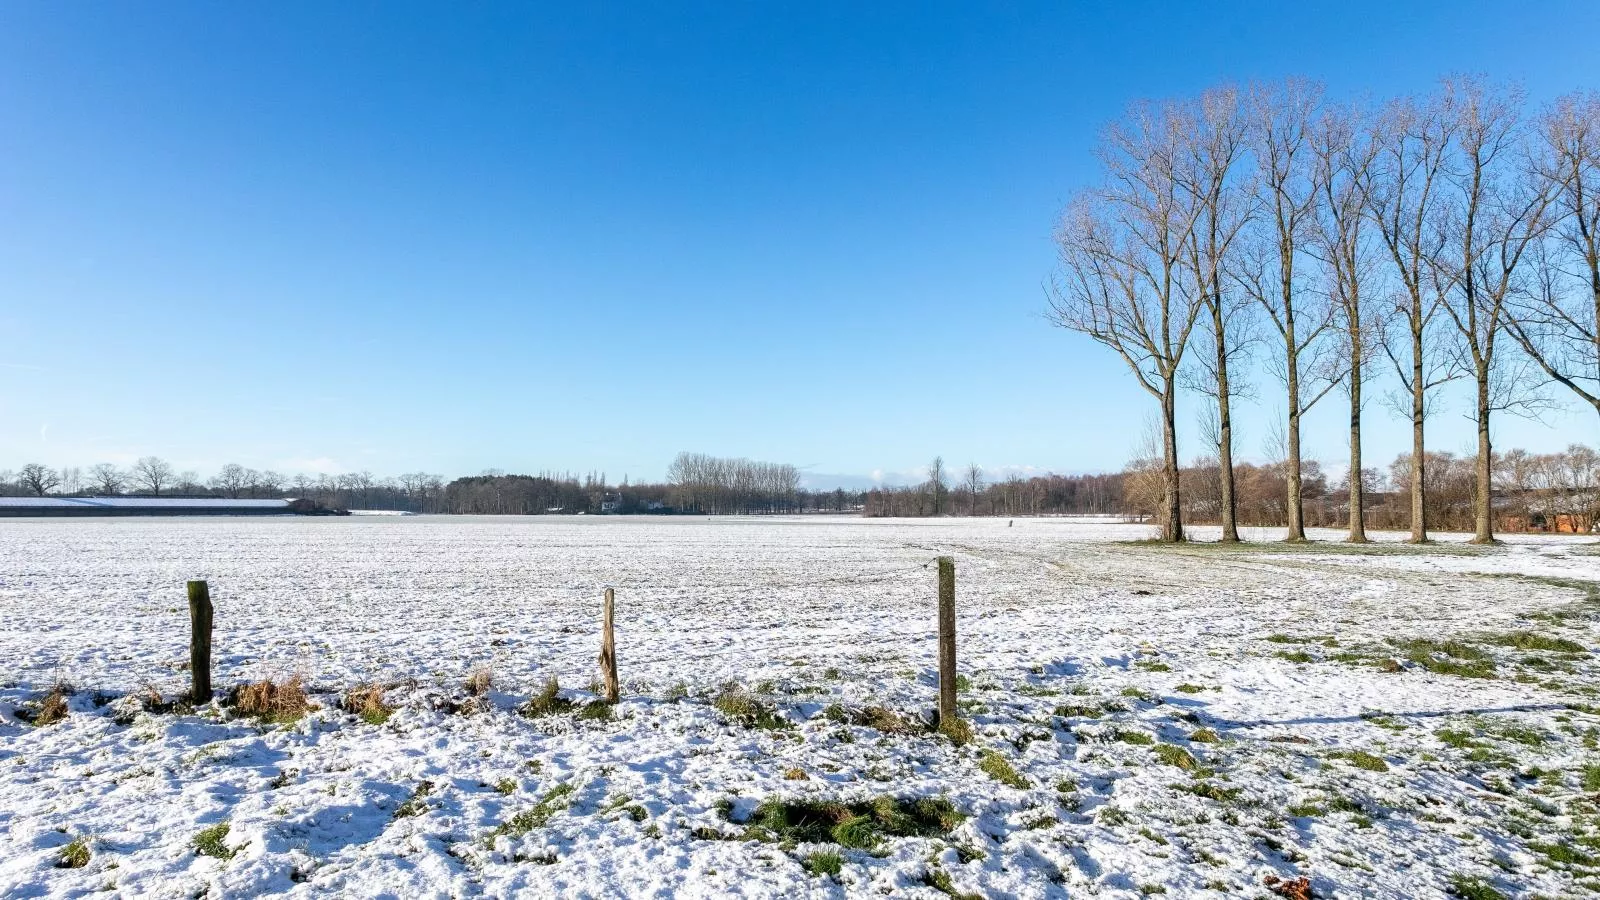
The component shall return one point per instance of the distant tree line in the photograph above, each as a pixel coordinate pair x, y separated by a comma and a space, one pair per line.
971, 494
715, 485
697, 484
1452, 236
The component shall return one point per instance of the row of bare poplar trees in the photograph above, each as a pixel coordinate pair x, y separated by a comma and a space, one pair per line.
1447, 236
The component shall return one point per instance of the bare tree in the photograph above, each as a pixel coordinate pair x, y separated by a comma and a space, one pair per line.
153, 474
1122, 261
269, 483
1345, 152
938, 482
1212, 142
106, 479
1281, 124
1413, 140
231, 480
1558, 325
1496, 215
38, 478
973, 479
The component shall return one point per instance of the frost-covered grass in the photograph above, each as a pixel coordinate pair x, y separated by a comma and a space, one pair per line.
1389, 721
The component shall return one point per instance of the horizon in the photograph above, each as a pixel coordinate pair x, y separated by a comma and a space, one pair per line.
325, 241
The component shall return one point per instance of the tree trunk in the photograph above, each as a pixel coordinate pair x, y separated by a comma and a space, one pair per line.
1358, 525
1230, 527
1419, 522
1297, 520
1171, 518
1484, 502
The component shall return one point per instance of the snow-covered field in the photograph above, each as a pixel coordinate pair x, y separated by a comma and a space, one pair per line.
1194, 721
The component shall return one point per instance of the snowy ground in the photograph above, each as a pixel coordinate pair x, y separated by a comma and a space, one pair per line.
1195, 721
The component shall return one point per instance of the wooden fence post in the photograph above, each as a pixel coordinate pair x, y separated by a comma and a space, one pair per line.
947, 641
199, 642
608, 648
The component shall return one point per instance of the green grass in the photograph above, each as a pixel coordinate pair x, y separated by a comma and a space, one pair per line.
1137, 738
997, 767
1174, 755
743, 708
824, 862
74, 855
1187, 688
1448, 657
538, 815
1563, 853
1210, 791
1205, 736
548, 702
1361, 759
1590, 777
417, 803
211, 842
1529, 640
1473, 888
855, 825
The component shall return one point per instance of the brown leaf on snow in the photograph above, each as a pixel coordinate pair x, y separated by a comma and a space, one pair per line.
1298, 889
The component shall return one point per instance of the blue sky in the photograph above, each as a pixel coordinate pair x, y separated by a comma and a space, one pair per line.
450, 237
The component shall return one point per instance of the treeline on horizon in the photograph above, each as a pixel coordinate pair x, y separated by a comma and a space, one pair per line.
1551, 491
1400, 244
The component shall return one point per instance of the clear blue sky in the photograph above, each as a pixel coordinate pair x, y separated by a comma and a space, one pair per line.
449, 237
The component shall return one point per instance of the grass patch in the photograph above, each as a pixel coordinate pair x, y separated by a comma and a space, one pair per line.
997, 767
1448, 657
1205, 736
212, 842
548, 702
598, 711
1563, 853
1137, 738
1529, 640
886, 720
479, 682
1361, 759
1187, 688
1210, 791
74, 855
536, 817
1473, 888
854, 825
50, 709
743, 708
1173, 755
366, 702
1295, 656
272, 702
824, 862
417, 803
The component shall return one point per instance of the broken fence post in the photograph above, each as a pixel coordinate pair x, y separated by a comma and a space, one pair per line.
199, 642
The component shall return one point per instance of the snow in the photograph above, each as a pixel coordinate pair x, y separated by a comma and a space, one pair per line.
1484, 776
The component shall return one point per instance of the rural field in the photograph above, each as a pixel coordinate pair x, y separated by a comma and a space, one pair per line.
1191, 721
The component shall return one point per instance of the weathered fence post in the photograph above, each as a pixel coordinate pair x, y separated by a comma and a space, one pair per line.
199, 642
947, 641
608, 647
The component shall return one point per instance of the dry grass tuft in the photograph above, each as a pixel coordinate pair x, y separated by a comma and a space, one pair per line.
366, 701
548, 702
276, 702
52, 707
480, 681
888, 721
